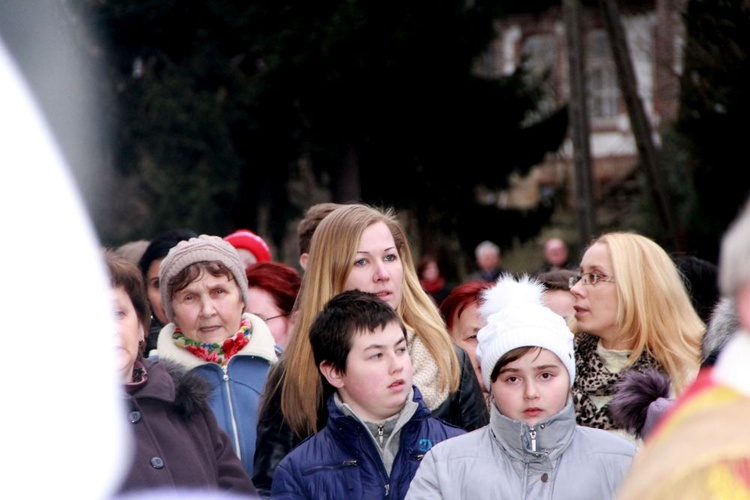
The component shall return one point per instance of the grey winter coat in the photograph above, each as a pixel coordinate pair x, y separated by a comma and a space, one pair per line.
497, 462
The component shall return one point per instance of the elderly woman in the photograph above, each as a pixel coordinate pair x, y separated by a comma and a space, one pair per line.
205, 298
633, 313
178, 444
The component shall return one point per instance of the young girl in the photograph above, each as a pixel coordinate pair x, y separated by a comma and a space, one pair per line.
532, 447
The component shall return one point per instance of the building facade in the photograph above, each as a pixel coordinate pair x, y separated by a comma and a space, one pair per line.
538, 41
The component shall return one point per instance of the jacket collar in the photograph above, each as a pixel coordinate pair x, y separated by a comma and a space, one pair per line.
160, 384
553, 435
342, 418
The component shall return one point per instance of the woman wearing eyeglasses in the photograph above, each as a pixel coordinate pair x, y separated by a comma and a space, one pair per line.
633, 312
272, 289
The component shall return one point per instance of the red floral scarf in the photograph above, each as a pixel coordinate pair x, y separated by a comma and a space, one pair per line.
218, 353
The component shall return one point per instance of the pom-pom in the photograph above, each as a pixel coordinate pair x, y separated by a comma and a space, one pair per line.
508, 290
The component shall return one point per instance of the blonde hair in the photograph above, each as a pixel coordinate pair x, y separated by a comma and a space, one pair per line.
332, 253
654, 311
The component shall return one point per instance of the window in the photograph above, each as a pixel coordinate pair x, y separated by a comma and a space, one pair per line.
539, 54
601, 76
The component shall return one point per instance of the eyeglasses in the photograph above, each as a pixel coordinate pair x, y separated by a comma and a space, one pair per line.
274, 317
589, 279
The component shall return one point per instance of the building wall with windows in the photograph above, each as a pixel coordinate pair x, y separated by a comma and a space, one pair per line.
538, 41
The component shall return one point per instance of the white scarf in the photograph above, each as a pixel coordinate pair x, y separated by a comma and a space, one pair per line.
425, 372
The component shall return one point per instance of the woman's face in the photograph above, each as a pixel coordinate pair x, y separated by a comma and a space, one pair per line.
129, 333
377, 267
431, 272
596, 305
154, 293
247, 257
264, 306
464, 335
561, 302
209, 309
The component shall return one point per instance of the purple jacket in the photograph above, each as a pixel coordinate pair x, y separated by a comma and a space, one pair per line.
177, 443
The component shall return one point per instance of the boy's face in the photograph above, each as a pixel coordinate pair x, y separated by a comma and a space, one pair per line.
532, 388
378, 376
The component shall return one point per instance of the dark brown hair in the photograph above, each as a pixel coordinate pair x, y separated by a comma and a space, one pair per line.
124, 273
510, 357
313, 216
557, 280
194, 271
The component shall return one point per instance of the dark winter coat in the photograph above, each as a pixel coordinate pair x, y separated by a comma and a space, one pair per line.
177, 443
466, 408
342, 460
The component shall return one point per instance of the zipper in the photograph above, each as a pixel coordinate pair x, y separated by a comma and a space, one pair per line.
366, 443
235, 433
532, 435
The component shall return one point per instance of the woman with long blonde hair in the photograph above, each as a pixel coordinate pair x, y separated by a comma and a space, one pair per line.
361, 247
633, 312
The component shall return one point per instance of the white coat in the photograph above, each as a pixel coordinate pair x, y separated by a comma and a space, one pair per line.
498, 462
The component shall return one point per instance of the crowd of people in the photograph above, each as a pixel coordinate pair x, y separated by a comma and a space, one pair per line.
364, 372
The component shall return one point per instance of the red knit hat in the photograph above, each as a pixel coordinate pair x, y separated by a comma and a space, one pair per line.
244, 238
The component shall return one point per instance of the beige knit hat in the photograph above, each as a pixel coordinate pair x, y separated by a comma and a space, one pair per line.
204, 248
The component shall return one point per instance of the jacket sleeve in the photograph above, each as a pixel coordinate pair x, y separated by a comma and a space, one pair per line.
465, 408
274, 438
425, 484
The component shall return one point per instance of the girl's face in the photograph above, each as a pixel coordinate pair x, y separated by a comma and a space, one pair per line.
532, 388
129, 333
209, 309
377, 267
464, 334
596, 304
153, 291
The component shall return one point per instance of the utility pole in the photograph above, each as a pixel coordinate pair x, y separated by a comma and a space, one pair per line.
639, 123
579, 120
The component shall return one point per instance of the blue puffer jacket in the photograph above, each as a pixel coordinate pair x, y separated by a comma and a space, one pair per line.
235, 388
342, 460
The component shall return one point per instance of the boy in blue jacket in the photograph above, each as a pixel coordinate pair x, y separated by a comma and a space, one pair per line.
378, 428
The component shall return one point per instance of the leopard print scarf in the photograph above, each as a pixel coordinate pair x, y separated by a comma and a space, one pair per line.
593, 379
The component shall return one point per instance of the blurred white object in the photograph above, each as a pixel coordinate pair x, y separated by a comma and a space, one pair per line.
63, 421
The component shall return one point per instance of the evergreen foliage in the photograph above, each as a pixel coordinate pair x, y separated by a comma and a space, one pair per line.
714, 108
217, 100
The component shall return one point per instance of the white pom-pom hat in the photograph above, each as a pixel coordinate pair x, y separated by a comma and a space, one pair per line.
516, 317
